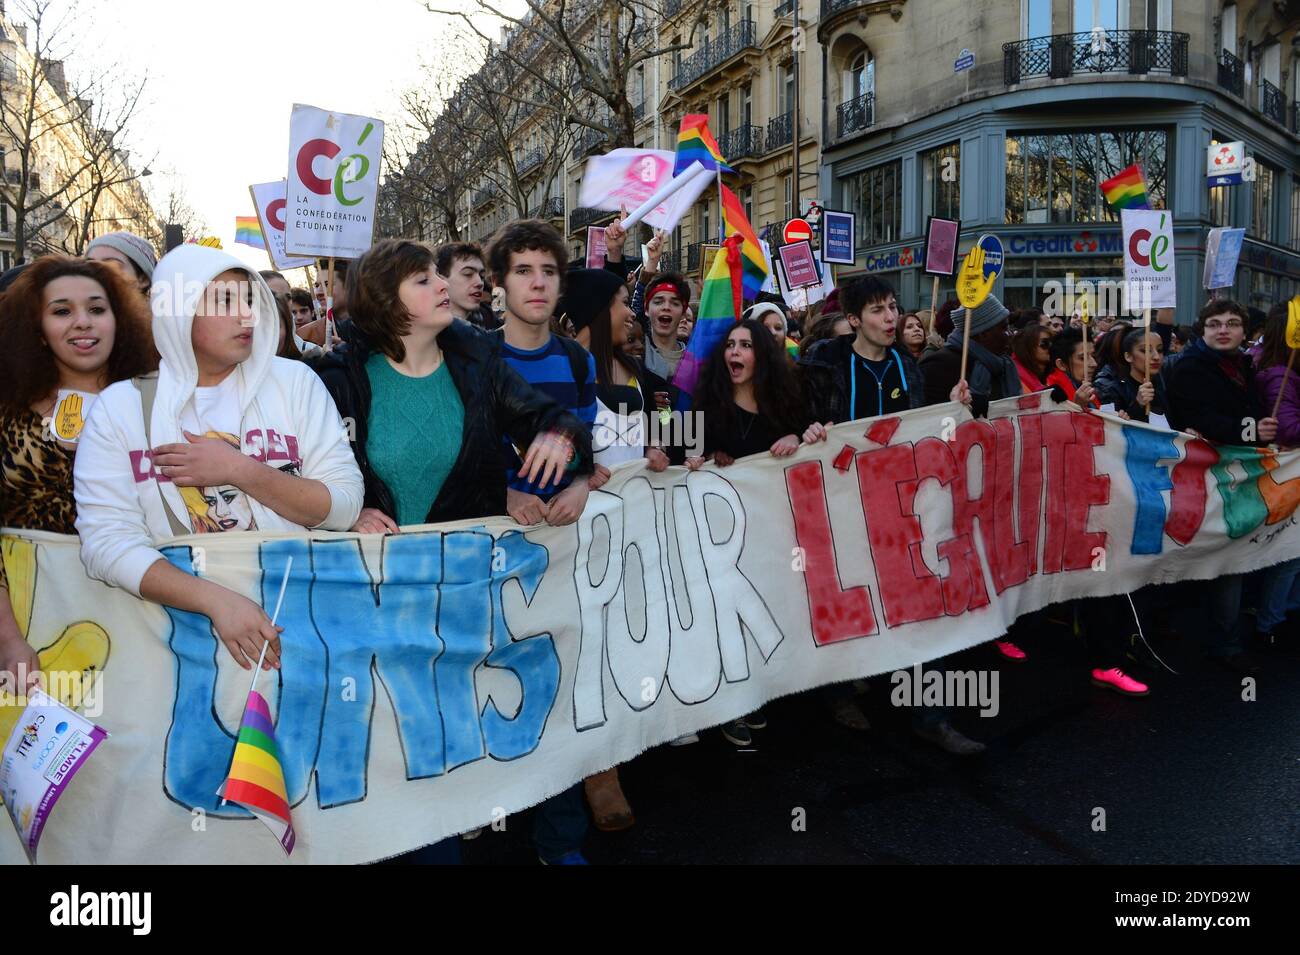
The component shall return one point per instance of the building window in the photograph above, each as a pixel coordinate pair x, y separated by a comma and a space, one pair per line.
1035, 18
724, 114
1221, 205
1160, 15
941, 175
1056, 177
747, 105
1295, 214
862, 76
747, 201
1090, 15
788, 213
1261, 216
877, 201
1228, 29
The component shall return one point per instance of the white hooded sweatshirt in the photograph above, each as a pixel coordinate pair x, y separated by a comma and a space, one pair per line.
287, 420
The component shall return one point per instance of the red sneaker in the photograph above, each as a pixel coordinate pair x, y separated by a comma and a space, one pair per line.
1010, 651
1117, 680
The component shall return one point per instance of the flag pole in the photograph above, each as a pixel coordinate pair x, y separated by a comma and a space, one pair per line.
1146, 352
1277, 402
284, 583
329, 307
722, 225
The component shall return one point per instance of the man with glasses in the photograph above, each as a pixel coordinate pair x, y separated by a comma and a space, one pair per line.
1211, 392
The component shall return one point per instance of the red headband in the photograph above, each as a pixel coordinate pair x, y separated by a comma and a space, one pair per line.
659, 284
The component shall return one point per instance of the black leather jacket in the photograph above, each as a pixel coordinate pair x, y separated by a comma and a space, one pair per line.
497, 401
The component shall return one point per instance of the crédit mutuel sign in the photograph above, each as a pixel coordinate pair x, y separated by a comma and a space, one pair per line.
1084, 242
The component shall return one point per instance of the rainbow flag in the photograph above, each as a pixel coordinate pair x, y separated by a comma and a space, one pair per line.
255, 779
1127, 189
719, 308
753, 264
248, 231
696, 144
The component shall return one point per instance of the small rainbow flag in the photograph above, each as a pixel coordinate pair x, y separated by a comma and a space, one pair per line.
248, 231
255, 779
719, 309
696, 144
753, 265
1127, 189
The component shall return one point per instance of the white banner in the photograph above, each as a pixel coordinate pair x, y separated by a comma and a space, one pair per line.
628, 177
333, 182
1149, 258
435, 679
269, 199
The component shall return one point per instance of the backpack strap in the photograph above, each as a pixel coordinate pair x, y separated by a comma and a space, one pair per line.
147, 385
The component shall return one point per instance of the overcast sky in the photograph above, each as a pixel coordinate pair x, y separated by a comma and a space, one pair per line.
224, 77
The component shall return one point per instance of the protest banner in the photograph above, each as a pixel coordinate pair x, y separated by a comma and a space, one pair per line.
436, 679
269, 199
1149, 258
333, 182
629, 178
597, 247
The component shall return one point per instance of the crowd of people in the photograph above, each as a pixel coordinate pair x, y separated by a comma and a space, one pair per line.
509, 380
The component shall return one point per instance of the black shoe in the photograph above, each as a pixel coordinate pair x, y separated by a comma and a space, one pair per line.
949, 740
1242, 664
756, 720
737, 733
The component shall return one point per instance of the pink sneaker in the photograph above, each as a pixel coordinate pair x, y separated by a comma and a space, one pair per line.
1010, 651
1117, 680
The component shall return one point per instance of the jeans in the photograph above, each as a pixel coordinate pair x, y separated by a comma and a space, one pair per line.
560, 824
1224, 597
1279, 593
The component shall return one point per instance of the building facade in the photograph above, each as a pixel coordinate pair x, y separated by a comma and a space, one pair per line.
1007, 114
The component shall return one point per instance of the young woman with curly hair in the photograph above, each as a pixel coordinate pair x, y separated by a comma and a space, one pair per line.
68, 329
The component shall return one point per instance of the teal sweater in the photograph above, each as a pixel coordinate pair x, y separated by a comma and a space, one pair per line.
414, 435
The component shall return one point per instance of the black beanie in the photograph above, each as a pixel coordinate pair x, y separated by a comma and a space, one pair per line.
587, 293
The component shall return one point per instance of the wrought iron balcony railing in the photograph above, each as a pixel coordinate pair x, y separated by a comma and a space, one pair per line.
779, 131
582, 217
486, 194
855, 116
552, 208
1232, 73
741, 143
832, 7
1101, 51
714, 53
1272, 103
530, 160
784, 8
589, 140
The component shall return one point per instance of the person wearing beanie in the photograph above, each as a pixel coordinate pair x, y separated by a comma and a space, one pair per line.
990, 373
770, 316
128, 253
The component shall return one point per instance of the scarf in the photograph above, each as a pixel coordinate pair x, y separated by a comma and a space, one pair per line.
986, 368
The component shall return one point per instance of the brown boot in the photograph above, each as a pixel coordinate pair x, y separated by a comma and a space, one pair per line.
609, 809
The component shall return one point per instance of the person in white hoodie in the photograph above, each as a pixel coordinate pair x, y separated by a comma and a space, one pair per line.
226, 437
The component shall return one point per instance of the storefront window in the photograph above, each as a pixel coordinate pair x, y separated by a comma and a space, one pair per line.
941, 171
1056, 177
1261, 219
877, 201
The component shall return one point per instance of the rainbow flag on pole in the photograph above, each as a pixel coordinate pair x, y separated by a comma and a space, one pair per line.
1126, 189
248, 231
255, 779
719, 308
696, 144
753, 264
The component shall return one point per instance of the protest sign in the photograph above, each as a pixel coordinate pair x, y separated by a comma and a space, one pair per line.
597, 247
269, 201
839, 237
46, 748
434, 679
979, 270
799, 265
941, 245
333, 182
1222, 250
1149, 258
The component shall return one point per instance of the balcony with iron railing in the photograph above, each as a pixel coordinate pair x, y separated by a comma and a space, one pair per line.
638, 111
529, 160
552, 208
1295, 128
485, 195
784, 8
855, 116
743, 142
1272, 103
693, 256
1136, 52
582, 217
780, 131
589, 140
1232, 73
713, 53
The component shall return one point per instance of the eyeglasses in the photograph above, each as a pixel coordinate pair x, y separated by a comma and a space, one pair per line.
1234, 323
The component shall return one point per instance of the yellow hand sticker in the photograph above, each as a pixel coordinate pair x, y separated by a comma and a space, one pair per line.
1083, 310
974, 282
68, 420
1293, 323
